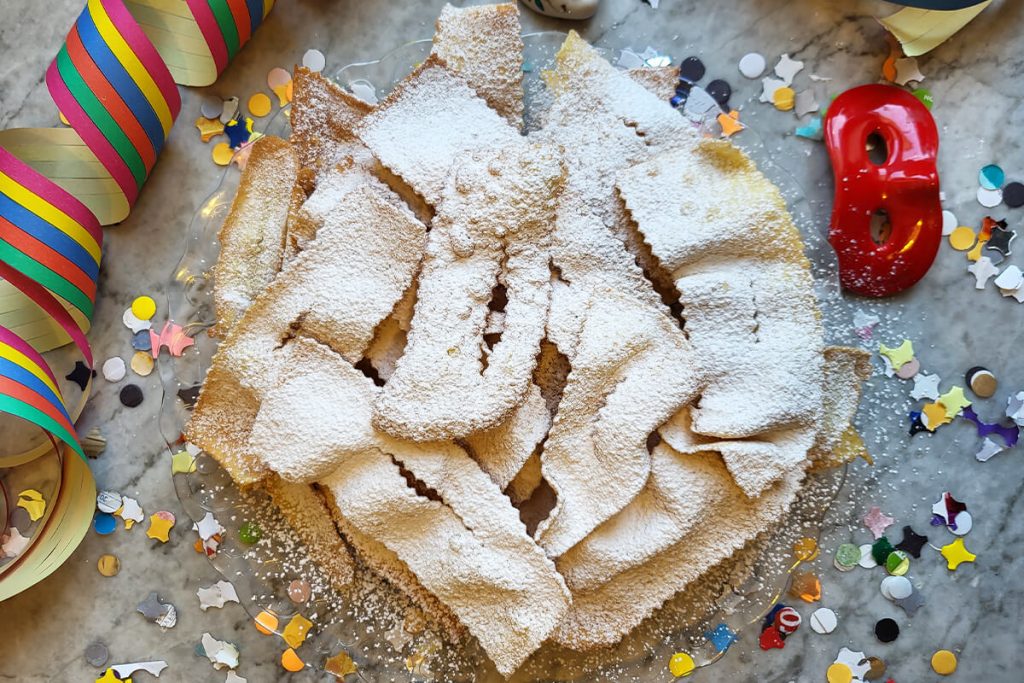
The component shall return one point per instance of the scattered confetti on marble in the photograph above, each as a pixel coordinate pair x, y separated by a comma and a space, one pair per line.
949, 222
296, 631
341, 665
954, 401
989, 448
877, 521
96, 654
160, 524
944, 662
787, 68
854, 661
898, 355
163, 614
222, 654
154, 668
229, 108
769, 87
912, 542
989, 198
956, 553
108, 565
172, 337
217, 595
911, 603
806, 103
983, 269
1009, 433
208, 526
80, 375
113, 369
907, 71
823, 621
752, 65
721, 637
183, 462
991, 177
864, 324
896, 587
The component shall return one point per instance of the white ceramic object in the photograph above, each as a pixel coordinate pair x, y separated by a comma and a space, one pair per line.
564, 9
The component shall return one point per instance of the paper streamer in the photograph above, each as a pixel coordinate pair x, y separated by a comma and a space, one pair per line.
926, 25
114, 80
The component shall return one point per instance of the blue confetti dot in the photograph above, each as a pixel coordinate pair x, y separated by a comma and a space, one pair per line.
141, 341
104, 523
991, 177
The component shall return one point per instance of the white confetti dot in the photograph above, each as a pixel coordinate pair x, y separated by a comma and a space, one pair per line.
752, 65
824, 621
314, 60
989, 198
113, 369
949, 222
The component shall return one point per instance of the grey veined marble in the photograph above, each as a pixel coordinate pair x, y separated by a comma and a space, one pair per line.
976, 80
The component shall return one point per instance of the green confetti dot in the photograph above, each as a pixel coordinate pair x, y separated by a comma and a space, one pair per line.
250, 533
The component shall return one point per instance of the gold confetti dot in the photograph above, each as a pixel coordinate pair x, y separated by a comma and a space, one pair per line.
962, 238
142, 363
259, 105
109, 565
222, 154
839, 673
681, 664
944, 662
784, 99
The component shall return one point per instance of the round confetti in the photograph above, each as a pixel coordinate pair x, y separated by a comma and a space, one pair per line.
847, 557
142, 363
144, 308
964, 524
867, 558
752, 65
314, 60
290, 661
113, 369
824, 621
222, 154
211, 107
266, 623
133, 323
131, 395
944, 662
141, 341
1013, 195
278, 78
787, 620
897, 587
259, 105
898, 563
949, 222
104, 523
981, 381
250, 533
108, 565
96, 654
299, 591
989, 198
784, 99
681, 663
108, 501
909, 369
962, 238
806, 549
720, 90
887, 630
839, 673
876, 669
692, 69
991, 177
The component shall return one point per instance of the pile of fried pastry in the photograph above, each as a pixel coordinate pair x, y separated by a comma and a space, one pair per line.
522, 377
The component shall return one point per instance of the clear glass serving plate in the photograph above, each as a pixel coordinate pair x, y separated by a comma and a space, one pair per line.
737, 594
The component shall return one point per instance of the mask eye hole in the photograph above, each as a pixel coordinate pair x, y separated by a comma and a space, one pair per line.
877, 149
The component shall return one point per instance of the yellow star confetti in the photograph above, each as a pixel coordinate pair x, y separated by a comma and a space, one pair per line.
898, 356
954, 401
33, 503
182, 462
209, 128
110, 677
935, 415
296, 631
160, 524
956, 554
340, 665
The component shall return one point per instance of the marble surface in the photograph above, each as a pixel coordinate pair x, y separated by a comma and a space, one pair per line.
975, 80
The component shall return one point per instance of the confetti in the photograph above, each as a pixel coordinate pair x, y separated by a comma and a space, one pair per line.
788, 68
172, 337
982, 269
80, 375
109, 677
113, 369
989, 198
989, 448
949, 222
1001, 241
1011, 279
341, 665
314, 60
296, 631
877, 521
907, 71
141, 341
163, 614
909, 369
811, 131
108, 565
222, 154
864, 324
32, 502
887, 630
96, 654
784, 99
721, 637
1013, 195
881, 549
945, 509
962, 525
94, 443
991, 177
299, 591
896, 587
259, 105
912, 542
183, 462
911, 603
160, 524
956, 554
1009, 433
221, 654
730, 123
234, 678
752, 65
104, 523
823, 621
217, 595
898, 563
142, 363
962, 238
691, 69
143, 307
130, 396
208, 526
806, 586
954, 401
108, 501
229, 108
805, 549
720, 91
847, 556
266, 622
855, 661
124, 670
14, 544
981, 381
290, 660
239, 131
769, 87
209, 128
867, 556
130, 512
806, 103
925, 97
944, 662
839, 673
898, 355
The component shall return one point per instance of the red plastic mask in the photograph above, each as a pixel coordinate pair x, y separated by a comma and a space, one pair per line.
905, 187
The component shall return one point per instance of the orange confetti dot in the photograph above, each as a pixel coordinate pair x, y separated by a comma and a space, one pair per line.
222, 154
266, 623
259, 105
290, 661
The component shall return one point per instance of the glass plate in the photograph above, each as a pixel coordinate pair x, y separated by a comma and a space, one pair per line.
737, 593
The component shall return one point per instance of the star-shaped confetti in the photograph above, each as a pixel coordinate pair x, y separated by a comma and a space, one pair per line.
934, 415
907, 71
217, 595
730, 123
769, 86
152, 608
33, 503
1009, 433
173, 337
956, 554
109, 677
856, 661
130, 512
925, 386
788, 68
954, 401
209, 128
340, 665
238, 131
160, 524
912, 542
182, 462
898, 355
806, 103
721, 637
982, 270
1000, 241
14, 543
80, 375
877, 521
911, 603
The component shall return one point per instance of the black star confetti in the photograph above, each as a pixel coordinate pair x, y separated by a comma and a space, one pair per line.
912, 542
189, 395
80, 375
1000, 241
911, 603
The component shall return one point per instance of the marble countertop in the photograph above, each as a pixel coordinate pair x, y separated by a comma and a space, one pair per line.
975, 80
